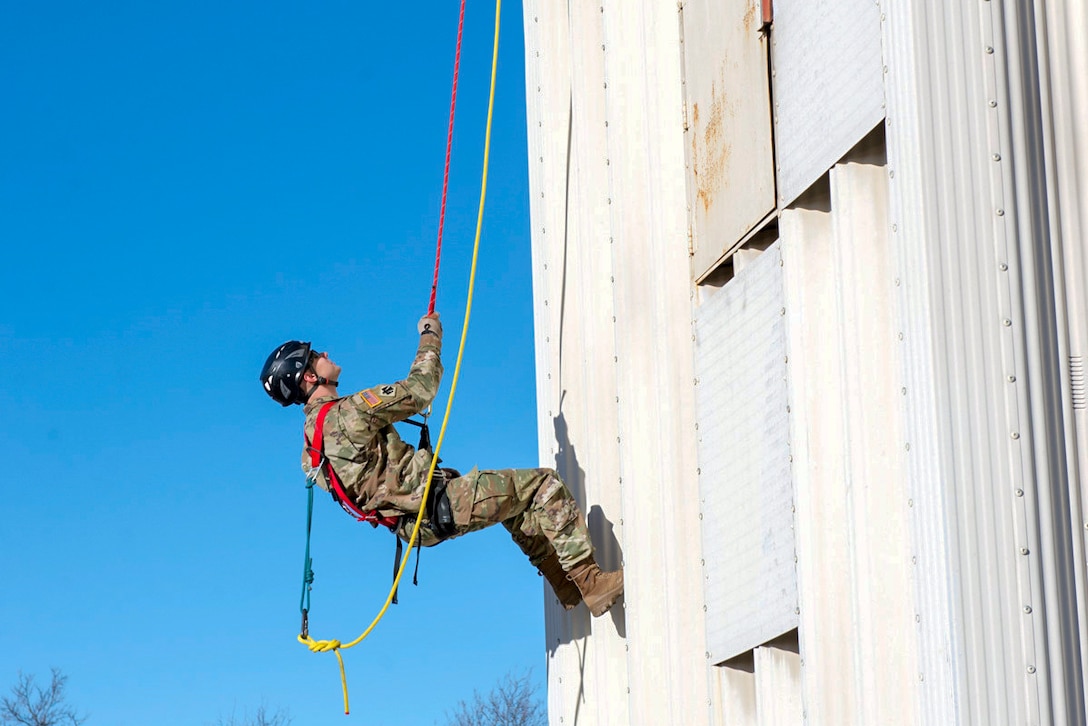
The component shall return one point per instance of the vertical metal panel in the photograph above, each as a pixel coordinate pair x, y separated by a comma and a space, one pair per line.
607, 187
1017, 69
728, 133
733, 696
817, 433
573, 312
744, 481
876, 498
778, 691
856, 629
993, 576
828, 85
653, 362
1064, 59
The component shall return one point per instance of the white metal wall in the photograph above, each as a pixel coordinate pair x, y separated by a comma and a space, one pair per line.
614, 358
935, 334
1063, 59
996, 593
852, 541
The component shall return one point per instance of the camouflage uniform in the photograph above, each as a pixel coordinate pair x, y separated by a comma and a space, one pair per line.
381, 472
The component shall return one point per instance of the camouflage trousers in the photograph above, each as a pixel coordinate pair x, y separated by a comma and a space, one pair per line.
534, 505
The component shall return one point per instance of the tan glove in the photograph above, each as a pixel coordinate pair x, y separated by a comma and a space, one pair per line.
430, 325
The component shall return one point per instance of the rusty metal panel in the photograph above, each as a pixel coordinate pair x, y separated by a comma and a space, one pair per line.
828, 85
728, 131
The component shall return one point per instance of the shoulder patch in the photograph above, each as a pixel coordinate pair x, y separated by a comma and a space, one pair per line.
371, 399
388, 390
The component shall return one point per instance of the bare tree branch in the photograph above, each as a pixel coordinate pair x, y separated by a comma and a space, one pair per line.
512, 702
32, 705
281, 717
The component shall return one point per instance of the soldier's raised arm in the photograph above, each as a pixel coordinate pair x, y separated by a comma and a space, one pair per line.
392, 402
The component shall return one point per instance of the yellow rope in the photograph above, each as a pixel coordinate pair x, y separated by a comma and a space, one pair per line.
322, 646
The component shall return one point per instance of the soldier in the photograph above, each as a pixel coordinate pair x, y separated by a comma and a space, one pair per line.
357, 455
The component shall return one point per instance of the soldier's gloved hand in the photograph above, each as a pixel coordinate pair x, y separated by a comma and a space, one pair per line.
429, 325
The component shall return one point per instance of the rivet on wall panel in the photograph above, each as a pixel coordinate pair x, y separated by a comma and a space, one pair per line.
997, 157
1031, 669
989, 49
891, 173
1003, 267
993, 103
921, 676
907, 447
1000, 212
1025, 551
914, 560
1012, 379
903, 391
917, 618
1019, 492
900, 336
1006, 322
895, 227
1015, 435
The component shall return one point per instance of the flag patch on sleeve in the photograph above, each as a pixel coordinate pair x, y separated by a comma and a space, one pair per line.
371, 399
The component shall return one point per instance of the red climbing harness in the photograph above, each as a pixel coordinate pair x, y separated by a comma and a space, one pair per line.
318, 459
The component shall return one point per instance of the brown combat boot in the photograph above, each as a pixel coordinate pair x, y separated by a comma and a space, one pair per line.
564, 589
599, 589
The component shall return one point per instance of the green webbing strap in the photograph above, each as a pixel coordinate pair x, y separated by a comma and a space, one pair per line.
307, 565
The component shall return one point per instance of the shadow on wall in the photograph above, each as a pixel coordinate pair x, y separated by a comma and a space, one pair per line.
606, 546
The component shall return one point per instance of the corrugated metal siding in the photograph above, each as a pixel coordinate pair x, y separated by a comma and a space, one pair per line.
978, 367
1064, 57
744, 471
828, 85
573, 305
728, 134
654, 363
977, 452
852, 544
613, 350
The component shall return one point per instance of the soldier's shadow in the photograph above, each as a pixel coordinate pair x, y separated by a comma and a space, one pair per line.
608, 552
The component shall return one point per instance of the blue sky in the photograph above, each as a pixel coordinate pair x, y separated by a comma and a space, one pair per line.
183, 186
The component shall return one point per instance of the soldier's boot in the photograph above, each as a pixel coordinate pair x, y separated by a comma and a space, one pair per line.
564, 589
600, 590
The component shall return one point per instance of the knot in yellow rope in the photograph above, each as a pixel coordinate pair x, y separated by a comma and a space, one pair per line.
322, 646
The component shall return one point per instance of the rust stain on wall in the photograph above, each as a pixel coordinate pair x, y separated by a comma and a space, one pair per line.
710, 147
750, 17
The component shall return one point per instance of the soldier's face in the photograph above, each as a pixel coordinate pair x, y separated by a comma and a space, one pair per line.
323, 366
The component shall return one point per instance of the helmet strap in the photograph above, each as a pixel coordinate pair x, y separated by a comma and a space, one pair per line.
321, 381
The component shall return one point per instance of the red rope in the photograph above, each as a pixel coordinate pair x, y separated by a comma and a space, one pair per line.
449, 146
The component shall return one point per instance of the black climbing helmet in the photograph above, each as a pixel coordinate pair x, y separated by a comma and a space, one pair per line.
282, 372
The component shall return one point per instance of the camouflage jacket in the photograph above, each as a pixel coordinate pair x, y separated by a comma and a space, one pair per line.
376, 467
